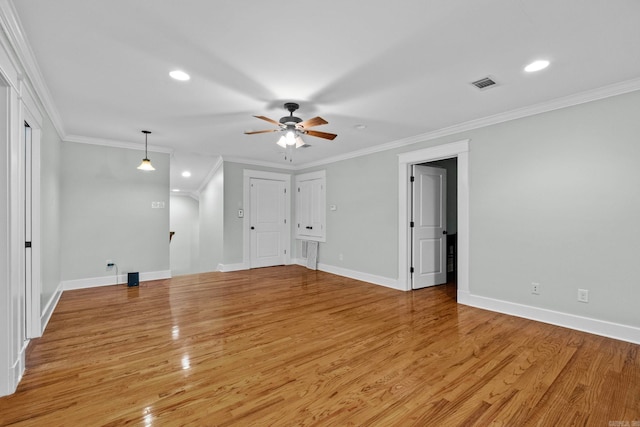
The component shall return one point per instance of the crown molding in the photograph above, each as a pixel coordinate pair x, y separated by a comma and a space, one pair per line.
189, 194
556, 104
254, 162
118, 144
31, 71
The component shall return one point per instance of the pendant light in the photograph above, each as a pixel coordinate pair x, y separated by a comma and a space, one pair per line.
146, 163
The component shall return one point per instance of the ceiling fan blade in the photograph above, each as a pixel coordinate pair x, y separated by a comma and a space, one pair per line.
324, 135
261, 131
316, 121
267, 119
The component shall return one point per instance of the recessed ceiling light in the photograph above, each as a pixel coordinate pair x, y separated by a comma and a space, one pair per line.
175, 190
360, 126
186, 174
180, 75
537, 66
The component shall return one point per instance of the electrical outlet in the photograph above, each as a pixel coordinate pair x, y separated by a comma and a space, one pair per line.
535, 288
583, 295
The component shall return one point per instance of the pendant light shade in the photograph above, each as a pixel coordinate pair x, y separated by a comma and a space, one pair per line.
146, 163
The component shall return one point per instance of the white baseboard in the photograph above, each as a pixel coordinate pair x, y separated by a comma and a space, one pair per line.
353, 274
571, 321
225, 268
387, 282
48, 309
94, 282
17, 369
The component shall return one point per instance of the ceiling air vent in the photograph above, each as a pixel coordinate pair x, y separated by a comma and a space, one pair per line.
485, 83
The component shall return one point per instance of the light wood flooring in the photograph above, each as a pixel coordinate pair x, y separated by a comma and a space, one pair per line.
287, 346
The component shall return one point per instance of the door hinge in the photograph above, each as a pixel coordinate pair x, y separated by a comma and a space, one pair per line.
411, 270
27, 244
285, 221
413, 178
411, 224
285, 191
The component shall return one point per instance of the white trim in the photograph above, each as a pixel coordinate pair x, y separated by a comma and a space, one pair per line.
459, 149
17, 369
359, 275
584, 324
225, 268
117, 144
50, 307
29, 103
121, 279
248, 174
210, 175
253, 162
373, 279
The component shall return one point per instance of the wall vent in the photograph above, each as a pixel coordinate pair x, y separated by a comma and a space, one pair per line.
484, 83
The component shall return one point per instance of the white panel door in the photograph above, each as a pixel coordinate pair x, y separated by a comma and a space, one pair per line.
429, 226
268, 222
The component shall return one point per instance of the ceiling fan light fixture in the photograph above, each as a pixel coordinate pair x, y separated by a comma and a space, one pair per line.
282, 142
290, 136
292, 128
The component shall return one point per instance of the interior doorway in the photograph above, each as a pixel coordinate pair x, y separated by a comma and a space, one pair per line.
442, 209
456, 150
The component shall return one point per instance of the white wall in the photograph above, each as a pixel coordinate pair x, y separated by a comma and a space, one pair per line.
553, 200
184, 247
50, 148
107, 212
211, 217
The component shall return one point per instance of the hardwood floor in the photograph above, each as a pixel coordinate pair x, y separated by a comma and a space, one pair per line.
289, 346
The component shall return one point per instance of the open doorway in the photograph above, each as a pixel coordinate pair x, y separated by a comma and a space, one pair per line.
439, 234
460, 151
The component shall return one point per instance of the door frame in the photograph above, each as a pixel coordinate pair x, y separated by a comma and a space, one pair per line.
248, 174
460, 150
33, 291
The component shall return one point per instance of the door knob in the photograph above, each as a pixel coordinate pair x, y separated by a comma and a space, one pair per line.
252, 227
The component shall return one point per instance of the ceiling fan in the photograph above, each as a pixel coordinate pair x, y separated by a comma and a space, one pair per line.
293, 127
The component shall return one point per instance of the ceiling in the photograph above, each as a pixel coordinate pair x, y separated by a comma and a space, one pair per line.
400, 68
